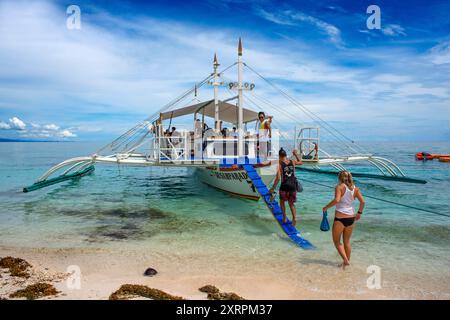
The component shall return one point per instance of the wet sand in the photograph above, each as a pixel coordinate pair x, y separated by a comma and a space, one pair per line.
103, 271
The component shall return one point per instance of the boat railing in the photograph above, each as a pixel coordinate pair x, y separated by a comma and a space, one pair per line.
172, 148
190, 146
307, 141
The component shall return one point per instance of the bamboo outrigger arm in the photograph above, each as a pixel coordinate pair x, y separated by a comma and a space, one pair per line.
80, 166
73, 163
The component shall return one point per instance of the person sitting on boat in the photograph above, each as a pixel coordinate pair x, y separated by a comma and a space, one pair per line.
264, 133
316, 151
205, 127
344, 196
289, 183
234, 133
174, 136
309, 156
225, 133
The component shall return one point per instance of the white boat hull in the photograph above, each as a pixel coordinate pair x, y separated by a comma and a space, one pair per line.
235, 180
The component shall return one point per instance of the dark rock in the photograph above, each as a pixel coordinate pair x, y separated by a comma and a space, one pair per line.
150, 272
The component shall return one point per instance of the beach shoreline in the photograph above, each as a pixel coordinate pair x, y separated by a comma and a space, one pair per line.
103, 271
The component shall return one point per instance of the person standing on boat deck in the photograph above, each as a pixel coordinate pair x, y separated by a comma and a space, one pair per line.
234, 133
288, 187
175, 138
198, 136
344, 196
264, 133
198, 129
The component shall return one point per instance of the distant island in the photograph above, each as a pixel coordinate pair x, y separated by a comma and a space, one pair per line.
29, 140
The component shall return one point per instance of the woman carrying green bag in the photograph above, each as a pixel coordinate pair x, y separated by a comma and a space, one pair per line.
345, 194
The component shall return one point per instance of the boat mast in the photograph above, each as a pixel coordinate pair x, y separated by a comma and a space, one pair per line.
216, 98
240, 103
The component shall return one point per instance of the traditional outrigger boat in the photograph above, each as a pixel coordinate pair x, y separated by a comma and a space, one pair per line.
234, 163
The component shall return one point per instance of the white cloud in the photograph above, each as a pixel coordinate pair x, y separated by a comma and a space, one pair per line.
393, 30
13, 123
272, 17
391, 78
16, 123
51, 131
440, 54
4, 125
292, 18
413, 89
333, 32
67, 134
51, 127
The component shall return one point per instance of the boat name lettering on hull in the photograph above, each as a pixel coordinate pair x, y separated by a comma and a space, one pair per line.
230, 175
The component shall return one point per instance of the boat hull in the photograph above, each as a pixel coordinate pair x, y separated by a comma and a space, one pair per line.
236, 181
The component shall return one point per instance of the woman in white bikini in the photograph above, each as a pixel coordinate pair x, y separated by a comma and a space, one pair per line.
345, 194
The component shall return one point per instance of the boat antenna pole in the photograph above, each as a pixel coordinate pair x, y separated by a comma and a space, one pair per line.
216, 98
240, 103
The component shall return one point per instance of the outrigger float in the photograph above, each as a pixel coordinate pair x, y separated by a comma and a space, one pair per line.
232, 162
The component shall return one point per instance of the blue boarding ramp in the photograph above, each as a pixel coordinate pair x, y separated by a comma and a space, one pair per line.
273, 206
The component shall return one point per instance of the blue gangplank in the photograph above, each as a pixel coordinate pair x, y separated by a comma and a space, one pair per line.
275, 209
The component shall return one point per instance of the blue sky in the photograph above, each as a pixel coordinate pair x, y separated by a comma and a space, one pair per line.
130, 58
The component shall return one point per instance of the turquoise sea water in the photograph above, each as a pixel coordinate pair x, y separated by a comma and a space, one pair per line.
169, 209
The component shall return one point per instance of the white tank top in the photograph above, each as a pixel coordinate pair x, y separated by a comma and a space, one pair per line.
345, 206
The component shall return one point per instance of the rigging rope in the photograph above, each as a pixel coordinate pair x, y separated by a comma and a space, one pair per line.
384, 200
310, 113
278, 124
135, 132
289, 115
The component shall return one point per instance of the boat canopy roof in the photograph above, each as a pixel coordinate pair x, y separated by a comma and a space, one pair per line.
227, 112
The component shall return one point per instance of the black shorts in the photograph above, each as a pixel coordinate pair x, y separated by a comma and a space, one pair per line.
347, 222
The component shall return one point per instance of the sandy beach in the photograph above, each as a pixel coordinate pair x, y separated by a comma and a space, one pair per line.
103, 271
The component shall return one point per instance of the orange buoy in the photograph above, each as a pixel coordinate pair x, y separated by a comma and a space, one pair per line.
444, 159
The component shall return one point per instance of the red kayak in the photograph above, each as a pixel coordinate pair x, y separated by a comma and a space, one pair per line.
429, 156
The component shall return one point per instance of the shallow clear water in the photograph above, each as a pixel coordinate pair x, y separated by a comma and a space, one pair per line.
169, 210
